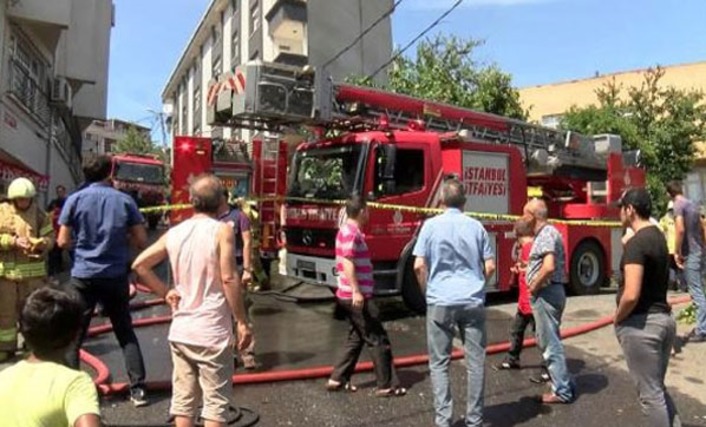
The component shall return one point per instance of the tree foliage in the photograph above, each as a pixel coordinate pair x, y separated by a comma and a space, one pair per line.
443, 70
663, 122
135, 142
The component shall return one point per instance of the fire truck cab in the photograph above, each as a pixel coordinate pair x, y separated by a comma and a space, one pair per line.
396, 150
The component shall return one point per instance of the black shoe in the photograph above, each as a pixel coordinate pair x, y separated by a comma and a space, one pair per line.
694, 338
506, 365
137, 397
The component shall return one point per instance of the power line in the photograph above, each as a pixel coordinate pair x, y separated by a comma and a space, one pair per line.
414, 40
361, 35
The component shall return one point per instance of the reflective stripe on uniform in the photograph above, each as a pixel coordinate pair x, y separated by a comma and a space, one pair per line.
19, 271
47, 230
5, 241
8, 335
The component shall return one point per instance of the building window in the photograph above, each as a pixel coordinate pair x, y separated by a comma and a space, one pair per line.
255, 55
197, 101
254, 17
217, 66
552, 120
235, 49
28, 77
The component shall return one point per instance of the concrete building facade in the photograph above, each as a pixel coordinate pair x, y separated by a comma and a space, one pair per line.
548, 103
101, 136
53, 84
295, 32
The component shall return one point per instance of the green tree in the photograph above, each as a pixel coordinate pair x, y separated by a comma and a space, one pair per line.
663, 122
135, 142
443, 70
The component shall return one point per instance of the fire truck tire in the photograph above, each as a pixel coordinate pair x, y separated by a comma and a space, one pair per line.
412, 295
587, 273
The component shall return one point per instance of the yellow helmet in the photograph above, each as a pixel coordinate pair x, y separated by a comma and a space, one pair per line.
21, 188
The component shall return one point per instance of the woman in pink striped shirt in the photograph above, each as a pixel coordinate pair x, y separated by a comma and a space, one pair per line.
354, 296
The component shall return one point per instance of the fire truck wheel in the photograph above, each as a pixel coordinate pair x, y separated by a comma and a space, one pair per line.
587, 273
411, 293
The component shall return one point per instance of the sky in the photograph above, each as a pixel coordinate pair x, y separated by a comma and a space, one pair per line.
536, 41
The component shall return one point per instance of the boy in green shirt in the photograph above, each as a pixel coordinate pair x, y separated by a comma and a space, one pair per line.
40, 391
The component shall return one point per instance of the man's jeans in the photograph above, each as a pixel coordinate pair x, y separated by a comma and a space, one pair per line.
647, 341
548, 307
694, 274
113, 294
441, 323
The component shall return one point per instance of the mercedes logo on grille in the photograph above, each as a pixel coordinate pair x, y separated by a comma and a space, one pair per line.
307, 237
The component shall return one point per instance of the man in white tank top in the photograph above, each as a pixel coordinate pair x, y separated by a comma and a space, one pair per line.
207, 295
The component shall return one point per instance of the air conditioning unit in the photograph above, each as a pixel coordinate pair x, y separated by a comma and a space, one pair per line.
61, 92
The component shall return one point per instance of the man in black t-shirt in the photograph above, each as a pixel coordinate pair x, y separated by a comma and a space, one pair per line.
643, 321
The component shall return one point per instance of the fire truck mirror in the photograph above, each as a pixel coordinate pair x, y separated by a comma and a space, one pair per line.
386, 155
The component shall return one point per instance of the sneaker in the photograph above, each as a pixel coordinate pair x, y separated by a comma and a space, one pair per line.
552, 399
541, 378
506, 365
137, 397
249, 363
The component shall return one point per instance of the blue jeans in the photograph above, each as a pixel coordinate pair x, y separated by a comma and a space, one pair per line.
694, 274
441, 324
548, 307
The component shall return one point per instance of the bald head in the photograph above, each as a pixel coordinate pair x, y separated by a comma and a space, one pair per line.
537, 209
452, 194
206, 194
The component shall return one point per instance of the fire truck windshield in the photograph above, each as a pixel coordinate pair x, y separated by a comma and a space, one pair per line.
139, 172
327, 173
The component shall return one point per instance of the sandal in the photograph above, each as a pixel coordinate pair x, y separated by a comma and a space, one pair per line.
332, 385
391, 392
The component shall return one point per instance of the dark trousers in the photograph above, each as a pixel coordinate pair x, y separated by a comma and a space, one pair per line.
55, 261
366, 330
113, 295
517, 335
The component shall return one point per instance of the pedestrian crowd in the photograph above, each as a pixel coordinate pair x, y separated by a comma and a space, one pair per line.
211, 265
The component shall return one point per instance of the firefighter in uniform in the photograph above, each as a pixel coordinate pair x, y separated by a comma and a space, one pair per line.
26, 236
259, 275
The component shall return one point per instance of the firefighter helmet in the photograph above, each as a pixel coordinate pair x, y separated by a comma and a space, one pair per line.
21, 188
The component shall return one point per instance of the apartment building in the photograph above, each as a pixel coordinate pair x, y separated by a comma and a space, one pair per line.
547, 104
295, 32
101, 135
53, 84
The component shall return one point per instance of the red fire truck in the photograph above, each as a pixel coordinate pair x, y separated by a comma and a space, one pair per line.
142, 177
396, 150
258, 171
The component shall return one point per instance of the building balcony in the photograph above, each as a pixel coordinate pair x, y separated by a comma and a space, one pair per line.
46, 19
56, 13
287, 19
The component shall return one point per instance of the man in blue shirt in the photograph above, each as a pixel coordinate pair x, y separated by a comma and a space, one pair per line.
453, 260
100, 222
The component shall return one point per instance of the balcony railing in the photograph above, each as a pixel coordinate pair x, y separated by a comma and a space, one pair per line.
34, 99
29, 93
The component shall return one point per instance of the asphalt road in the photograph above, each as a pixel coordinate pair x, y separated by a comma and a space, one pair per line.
291, 336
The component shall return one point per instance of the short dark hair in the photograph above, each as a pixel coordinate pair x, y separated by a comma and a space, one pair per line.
97, 168
206, 194
452, 193
524, 227
674, 188
60, 186
50, 321
640, 200
355, 205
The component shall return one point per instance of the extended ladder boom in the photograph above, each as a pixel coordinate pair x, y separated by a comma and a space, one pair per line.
274, 97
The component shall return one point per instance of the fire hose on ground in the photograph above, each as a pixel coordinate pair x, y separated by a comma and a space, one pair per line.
106, 388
